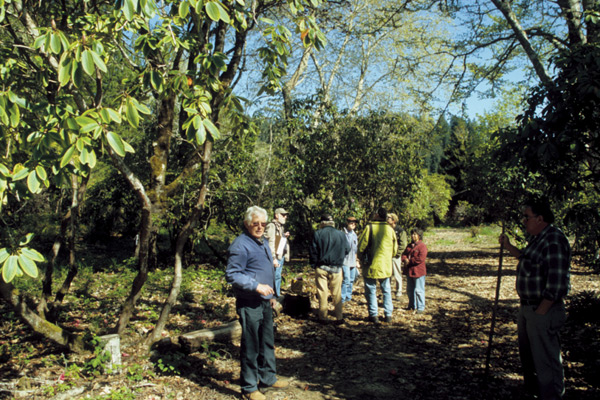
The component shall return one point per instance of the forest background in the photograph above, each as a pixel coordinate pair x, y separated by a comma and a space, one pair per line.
157, 123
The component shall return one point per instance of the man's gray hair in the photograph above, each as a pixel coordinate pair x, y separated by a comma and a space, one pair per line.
254, 210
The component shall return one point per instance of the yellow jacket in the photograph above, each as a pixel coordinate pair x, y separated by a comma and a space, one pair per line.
378, 244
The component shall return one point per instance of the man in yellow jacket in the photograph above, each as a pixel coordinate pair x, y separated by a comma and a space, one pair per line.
377, 246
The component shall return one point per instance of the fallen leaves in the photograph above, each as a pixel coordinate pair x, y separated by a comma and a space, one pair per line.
357, 360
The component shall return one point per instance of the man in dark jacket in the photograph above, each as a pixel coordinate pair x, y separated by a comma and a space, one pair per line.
250, 271
327, 253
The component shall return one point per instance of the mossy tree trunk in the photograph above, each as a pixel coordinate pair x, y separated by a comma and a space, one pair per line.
218, 98
182, 238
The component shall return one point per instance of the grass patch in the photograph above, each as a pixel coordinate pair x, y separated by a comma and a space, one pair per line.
444, 242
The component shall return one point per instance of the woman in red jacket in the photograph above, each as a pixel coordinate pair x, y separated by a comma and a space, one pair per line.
413, 260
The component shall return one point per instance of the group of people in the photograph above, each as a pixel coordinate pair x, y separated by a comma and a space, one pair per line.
255, 263
380, 253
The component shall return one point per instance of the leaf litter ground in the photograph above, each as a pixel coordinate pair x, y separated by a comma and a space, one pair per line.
437, 355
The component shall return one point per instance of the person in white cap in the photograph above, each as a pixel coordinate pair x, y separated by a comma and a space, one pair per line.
275, 233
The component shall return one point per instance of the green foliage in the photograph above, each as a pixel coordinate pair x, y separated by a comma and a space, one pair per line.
431, 199
137, 373
111, 208
445, 242
582, 218
20, 260
95, 365
483, 234
213, 277
437, 140
466, 158
557, 142
212, 351
79, 82
558, 133
172, 363
344, 165
57, 388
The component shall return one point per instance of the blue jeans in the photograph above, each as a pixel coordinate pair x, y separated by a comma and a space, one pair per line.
539, 349
278, 277
257, 345
348, 282
371, 296
415, 289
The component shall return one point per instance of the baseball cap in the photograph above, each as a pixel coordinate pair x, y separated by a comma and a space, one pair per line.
326, 217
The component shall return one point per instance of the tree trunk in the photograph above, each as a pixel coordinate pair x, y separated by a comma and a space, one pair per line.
144, 242
511, 18
290, 85
37, 323
572, 13
42, 308
182, 238
142, 276
153, 205
78, 192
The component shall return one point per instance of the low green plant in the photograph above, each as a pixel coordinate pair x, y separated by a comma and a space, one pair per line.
123, 393
135, 373
210, 353
50, 360
73, 371
172, 363
49, 391
59, 387
96, 364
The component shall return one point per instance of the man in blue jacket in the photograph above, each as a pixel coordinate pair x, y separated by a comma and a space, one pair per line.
250, 272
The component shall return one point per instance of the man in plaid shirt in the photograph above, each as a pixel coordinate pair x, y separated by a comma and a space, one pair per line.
542, 283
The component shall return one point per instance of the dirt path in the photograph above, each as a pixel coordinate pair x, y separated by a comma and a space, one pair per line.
438, 355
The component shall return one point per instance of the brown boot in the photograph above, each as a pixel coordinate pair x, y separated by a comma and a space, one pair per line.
280, 384
256, 395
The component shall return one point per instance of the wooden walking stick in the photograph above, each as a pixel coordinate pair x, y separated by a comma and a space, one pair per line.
495, 309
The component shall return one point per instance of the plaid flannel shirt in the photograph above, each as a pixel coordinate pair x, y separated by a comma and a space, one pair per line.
543, 270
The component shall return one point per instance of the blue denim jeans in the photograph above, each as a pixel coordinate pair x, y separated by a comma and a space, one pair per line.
257, 345
371, 296
278, 277
348, 282
415, 289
